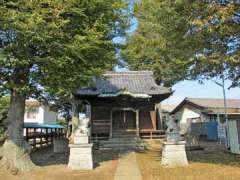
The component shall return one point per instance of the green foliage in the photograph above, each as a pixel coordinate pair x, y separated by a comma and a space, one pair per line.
4, 105
215, 24
184, 39
62, 121
52, 47
159, 43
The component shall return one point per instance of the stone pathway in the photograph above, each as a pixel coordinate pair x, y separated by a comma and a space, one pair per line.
127, 167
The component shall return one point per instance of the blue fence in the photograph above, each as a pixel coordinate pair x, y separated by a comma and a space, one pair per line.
208, 129
212, 132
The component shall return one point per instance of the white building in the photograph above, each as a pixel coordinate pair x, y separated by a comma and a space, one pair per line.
194, 110
36, 112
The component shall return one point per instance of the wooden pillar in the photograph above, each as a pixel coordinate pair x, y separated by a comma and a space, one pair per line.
51, 135
111, 125
47, 136
137, 123
34, 137
153, 119
27, 135
41, 135
159, 118
75, 117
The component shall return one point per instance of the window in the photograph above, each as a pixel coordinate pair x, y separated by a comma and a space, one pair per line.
32, 112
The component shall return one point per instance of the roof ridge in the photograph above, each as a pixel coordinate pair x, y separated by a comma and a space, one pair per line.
128, 73
189, 98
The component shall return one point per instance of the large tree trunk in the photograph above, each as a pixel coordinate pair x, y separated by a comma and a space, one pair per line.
15, 149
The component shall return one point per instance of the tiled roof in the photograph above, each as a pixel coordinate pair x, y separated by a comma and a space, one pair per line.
215, 103
167, 108
208, 103
135, 82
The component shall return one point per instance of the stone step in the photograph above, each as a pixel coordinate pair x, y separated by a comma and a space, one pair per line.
118, 146
124, 137
123, 133
119, 141
119, 134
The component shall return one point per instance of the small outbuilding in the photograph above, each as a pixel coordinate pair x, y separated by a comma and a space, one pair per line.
37, 112
206, 116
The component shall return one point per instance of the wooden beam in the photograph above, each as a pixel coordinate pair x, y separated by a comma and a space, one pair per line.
137, 122
111, 121
153, 119
41, 137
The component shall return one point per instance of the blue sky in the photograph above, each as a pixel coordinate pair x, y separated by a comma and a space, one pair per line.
207, 90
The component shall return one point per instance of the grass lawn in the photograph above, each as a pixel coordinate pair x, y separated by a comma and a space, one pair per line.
213, 164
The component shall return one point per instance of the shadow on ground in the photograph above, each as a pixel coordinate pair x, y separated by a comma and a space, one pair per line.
214, 157
211, 153
46, 157
101, 156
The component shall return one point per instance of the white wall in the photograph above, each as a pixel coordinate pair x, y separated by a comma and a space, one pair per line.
50, 117
186, 112
44, 116
189, 112
39, 116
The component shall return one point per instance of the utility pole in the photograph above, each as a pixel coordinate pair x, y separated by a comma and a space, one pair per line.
225, 111
225, 108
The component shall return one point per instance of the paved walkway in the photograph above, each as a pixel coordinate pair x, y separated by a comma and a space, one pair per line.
127, 168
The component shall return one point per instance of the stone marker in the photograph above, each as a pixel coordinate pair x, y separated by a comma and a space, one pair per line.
80, 157
173, 150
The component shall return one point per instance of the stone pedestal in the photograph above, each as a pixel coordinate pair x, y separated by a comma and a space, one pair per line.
174, 154
80, 157
80, 139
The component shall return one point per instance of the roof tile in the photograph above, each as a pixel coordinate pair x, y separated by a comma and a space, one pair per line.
137, 82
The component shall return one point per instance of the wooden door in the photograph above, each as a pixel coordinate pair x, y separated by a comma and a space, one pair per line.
118, 120
123, 120
130, 120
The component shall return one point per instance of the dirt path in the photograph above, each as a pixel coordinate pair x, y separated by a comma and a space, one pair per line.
128, 167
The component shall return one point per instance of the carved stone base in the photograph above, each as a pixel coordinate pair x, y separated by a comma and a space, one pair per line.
80, 157
174, 154
81, 139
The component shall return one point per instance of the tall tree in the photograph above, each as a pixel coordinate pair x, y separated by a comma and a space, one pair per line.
159, 43
51, 47
185, 39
